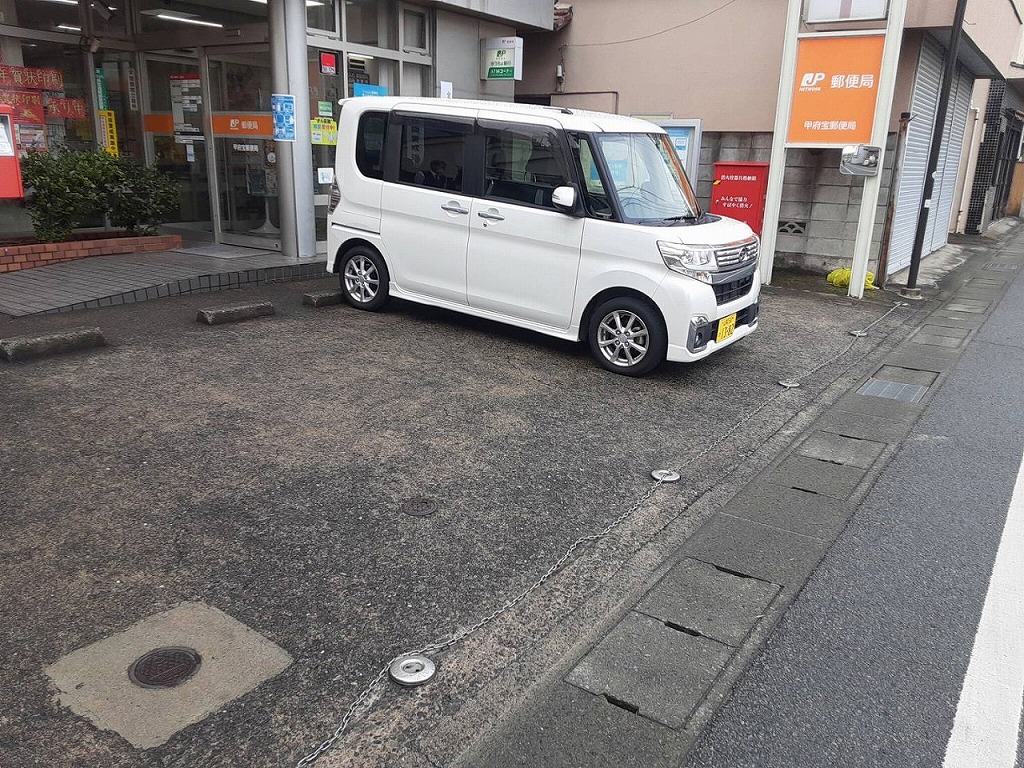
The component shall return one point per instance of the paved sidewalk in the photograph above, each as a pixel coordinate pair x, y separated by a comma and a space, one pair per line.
641, 690
103, 281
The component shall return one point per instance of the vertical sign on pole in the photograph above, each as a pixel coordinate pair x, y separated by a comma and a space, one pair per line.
282, 105
835, 90
834, 98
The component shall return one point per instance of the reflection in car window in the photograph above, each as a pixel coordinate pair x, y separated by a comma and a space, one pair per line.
522, 164
370, 144
596, 196
647, 177
432, 152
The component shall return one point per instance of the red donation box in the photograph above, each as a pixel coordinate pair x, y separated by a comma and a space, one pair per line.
739, 191
10, 170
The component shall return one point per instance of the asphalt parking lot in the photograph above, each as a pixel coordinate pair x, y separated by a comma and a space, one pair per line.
261, 468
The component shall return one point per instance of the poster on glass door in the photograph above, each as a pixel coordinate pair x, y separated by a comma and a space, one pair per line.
186, 106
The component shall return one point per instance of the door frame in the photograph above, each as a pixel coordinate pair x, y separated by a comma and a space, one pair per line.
223, 53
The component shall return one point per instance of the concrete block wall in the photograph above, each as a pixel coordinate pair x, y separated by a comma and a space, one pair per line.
820, 206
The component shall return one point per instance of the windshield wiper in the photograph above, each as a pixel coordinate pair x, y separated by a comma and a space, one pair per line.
687, 217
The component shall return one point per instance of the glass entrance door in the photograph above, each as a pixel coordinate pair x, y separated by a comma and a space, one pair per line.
173, 121
245, 155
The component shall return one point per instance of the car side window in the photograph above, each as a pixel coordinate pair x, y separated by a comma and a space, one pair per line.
523, 164
596, 196
370, 144
432, 151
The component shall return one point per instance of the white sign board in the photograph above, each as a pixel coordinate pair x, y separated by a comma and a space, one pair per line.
501, 58
823, 11
6, 139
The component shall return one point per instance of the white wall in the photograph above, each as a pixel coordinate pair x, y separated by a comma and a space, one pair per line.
458, 56
528, 13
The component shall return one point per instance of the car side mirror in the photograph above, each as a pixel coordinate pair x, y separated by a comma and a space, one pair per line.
564, 199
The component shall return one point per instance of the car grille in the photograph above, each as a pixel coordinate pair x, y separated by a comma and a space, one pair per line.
736, 253
726, 292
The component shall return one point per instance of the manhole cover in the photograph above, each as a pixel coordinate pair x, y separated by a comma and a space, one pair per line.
419, 507
164, 667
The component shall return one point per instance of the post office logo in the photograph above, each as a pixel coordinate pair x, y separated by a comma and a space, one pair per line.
811, 81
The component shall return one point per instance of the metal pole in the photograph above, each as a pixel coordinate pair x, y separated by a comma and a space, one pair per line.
302, 150
912, 291
279, 84
777, 166
879, 132
890, 209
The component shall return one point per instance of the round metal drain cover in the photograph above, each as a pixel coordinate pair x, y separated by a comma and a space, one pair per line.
419, 507
411, 671
164, 667
665, 475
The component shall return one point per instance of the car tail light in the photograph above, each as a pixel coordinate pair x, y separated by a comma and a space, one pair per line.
335, 196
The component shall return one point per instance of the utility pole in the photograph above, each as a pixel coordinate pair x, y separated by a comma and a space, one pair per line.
948, 73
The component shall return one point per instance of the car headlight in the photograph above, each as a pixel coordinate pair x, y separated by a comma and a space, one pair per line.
690, 260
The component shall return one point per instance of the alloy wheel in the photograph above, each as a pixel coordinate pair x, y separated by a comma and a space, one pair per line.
623, 338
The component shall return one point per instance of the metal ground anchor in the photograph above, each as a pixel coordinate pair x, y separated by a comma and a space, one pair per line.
789, 383
412, 671
665, 475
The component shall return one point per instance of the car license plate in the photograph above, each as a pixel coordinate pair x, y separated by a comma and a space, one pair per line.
726, 326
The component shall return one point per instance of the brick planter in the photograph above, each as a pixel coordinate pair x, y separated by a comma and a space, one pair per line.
15, 257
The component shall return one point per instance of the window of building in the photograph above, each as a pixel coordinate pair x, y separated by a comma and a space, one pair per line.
372, 22
523, 164
46, 84
320, 14
414, 30
432, 151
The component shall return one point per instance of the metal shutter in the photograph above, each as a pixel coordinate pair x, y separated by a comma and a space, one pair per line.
915, 155
949, 162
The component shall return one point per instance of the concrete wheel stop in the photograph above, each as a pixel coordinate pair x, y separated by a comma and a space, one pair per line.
235, 313
18, 348
322, 298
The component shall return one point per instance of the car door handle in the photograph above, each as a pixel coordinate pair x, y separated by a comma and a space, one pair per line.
491, 215
454, 207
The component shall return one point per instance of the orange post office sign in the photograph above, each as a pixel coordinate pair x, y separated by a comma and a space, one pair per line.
836, 89
250, 124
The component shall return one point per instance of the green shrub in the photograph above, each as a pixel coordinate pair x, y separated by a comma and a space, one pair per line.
67, 188
141, 198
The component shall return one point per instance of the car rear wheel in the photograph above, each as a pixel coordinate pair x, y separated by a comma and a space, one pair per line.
627, 336
364, 279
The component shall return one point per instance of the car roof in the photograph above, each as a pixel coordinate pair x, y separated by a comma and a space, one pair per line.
570, 119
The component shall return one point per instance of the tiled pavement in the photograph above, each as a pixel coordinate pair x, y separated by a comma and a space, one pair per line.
125, 278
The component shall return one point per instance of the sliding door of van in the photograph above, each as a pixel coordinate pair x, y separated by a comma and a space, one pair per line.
524, 255
424, 210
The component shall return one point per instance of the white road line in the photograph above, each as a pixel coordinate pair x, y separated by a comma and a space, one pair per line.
985, 730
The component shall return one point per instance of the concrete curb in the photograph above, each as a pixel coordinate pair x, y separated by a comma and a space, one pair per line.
322, 298
234, 313
197, 284
19, 348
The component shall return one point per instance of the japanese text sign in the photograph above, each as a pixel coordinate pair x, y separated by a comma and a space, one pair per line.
835, 90
29, 77
27, 106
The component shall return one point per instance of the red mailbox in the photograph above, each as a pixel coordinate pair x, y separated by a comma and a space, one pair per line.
10, 170
739, 191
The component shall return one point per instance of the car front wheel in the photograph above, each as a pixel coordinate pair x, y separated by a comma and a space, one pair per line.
627, 336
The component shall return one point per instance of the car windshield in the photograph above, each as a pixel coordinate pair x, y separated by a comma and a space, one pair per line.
647, 177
